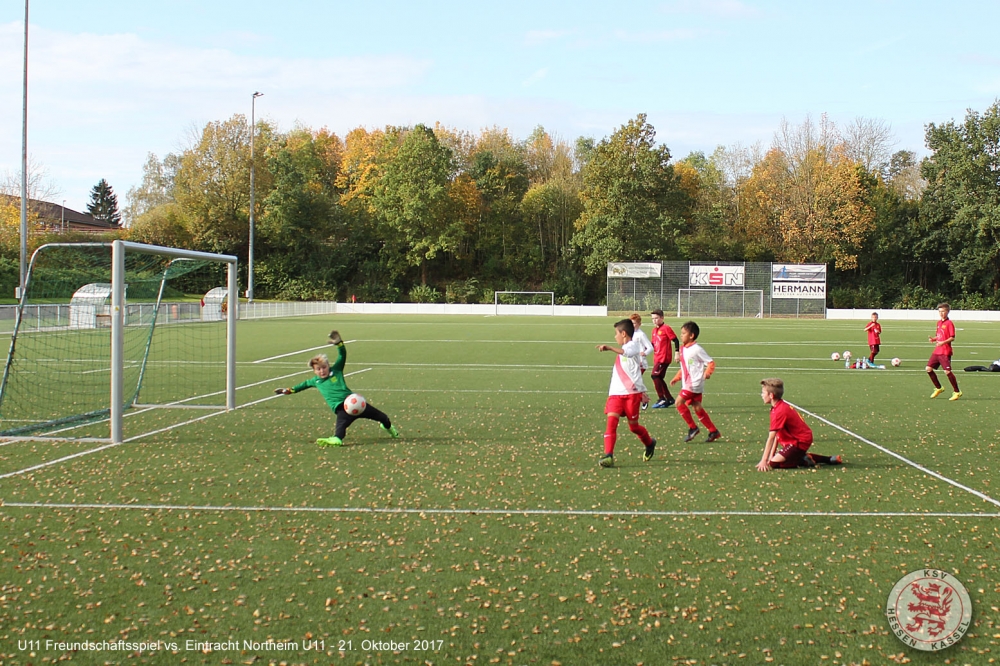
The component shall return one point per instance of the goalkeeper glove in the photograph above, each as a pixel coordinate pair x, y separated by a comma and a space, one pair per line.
335, 338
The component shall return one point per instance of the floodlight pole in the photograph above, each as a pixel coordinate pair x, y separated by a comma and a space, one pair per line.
24, 161
253, 130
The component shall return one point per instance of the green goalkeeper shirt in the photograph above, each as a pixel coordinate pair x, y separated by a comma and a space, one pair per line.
333, 389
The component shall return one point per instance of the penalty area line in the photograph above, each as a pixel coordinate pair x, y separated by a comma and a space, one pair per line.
497, 512
901, 458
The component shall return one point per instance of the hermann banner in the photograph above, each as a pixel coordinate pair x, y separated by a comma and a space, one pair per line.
633, 270
798, 281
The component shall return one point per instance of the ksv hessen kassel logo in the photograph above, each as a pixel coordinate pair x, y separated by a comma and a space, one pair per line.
929, 610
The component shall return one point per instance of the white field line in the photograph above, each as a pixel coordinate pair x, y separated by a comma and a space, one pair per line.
294, 353
903, 459
494, 512
153, 432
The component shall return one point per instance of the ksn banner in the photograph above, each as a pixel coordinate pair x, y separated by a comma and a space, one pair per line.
716, 276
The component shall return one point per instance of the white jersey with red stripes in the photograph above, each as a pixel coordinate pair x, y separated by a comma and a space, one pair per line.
626, 376
645, 346
694, 360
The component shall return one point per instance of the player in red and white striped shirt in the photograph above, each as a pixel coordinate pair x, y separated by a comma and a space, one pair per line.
696, 367
625, 393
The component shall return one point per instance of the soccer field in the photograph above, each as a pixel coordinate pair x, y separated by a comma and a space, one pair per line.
487, 533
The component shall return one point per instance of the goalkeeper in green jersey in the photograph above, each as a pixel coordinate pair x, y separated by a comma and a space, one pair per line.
330, 382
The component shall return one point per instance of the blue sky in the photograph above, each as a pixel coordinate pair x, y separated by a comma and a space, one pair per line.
112, 81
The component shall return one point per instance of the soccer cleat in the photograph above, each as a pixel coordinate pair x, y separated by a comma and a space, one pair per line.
836, 460
714, 435
330, 441
391, 430
692, 433
937, 392
607, 460
807, 461
643, 406
669, 403
659, 404
647, 456
956, 395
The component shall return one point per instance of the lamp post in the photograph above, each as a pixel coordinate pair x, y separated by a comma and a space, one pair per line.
253, 130
24, 161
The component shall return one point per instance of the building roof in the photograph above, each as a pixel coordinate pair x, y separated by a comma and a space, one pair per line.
55, 216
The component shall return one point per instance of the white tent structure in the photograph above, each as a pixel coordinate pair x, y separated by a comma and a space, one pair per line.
213, 305
90, 306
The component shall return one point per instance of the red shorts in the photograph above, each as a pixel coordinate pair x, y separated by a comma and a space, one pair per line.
939, 360
792, 454
624, 405
688, 397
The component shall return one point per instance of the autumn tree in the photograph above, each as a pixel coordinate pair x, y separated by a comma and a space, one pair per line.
961, 205
633, 207
411, 199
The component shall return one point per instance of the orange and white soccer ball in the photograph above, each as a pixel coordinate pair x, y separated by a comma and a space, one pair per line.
355, 404
896, 362
835, 356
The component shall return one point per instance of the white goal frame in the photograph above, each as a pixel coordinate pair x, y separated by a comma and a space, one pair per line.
118, 250
743, 293
524, 309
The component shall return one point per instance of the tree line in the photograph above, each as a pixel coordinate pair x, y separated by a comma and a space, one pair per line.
437, 214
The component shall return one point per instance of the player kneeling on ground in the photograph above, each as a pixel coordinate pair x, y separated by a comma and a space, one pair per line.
789, 432
330, 382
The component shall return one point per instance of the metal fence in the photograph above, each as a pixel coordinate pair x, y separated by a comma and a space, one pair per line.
673, 293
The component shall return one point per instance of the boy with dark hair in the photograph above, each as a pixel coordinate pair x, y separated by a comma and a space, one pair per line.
663, 337
696, 367
625, 393
941, 357
874, 331
329, 380
788, 431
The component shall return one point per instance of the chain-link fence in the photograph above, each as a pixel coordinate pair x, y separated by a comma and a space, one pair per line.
747, 289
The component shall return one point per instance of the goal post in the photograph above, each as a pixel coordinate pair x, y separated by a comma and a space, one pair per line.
119, 248
694, 302
112, 321
524, 302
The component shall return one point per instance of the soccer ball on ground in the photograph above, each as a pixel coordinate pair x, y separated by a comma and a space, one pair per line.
896, 362
835, 356
847, 354
355, 404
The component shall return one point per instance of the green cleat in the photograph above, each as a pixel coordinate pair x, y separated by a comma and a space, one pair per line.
607, 460
391, 430
330, 441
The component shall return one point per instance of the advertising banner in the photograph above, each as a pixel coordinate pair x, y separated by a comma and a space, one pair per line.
798, 281
716, 276
633, 270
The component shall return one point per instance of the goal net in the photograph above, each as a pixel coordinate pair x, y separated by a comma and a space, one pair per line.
105, 330
524, 302
720, 303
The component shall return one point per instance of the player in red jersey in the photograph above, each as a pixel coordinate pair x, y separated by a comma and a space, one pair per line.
663, 336
874, 330
789, 432
941, 357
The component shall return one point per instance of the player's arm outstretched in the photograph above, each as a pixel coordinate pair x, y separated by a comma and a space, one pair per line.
604, 348
770, 448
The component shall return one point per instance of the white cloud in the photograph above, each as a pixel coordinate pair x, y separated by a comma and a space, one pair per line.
536, 77
653, 36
